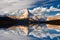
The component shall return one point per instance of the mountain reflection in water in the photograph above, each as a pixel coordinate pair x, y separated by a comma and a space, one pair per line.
26, 24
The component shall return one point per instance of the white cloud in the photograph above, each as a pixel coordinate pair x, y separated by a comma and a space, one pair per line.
58, 14
59, 5
12, 5
42, 10
38, 11
54, 9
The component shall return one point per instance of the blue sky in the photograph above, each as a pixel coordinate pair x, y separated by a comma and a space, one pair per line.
47, 3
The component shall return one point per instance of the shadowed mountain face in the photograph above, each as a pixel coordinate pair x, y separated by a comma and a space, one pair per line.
53, 22
6, 22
